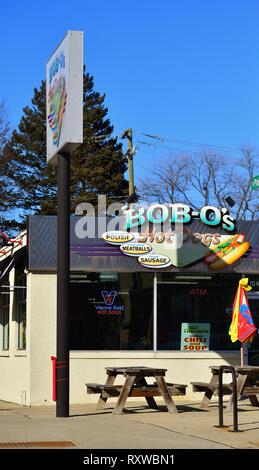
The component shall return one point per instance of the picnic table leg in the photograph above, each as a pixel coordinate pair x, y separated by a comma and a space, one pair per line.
102, 401
208, 394
125, 391
241, 380
150, 400
254, 400
166, 394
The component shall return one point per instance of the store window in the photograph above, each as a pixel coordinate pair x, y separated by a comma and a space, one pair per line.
195, 299
20, 293
5, 317
114, 311
111, 311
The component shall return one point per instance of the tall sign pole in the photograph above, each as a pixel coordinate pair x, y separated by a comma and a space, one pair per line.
64, 101
63, 297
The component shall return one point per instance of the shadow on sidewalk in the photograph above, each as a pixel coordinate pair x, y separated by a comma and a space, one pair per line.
138, 409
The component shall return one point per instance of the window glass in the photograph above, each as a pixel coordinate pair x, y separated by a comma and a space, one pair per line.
111, 311
5, 316
253, 299
20, 293
195, 299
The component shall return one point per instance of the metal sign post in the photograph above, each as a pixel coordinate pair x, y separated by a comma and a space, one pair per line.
63, 262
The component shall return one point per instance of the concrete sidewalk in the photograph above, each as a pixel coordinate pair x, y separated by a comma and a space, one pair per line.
137, 428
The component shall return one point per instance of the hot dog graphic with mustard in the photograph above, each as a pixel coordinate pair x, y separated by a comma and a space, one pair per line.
227, 252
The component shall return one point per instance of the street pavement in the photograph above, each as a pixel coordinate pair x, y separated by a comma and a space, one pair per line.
139, 427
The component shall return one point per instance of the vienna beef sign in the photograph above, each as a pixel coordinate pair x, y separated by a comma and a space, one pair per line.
163, 247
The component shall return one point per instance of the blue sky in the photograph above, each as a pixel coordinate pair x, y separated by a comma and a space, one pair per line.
183, 69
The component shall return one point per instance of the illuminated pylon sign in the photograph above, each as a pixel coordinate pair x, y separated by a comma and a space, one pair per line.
109, 297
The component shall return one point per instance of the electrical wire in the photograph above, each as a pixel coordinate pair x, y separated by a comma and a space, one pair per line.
196, 147
200, 144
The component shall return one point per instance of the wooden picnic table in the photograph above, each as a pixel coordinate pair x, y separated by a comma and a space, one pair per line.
247, 385
135, 385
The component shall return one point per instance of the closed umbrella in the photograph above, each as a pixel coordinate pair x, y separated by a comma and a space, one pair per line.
242, 327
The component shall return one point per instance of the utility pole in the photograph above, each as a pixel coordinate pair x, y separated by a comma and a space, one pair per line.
130, 153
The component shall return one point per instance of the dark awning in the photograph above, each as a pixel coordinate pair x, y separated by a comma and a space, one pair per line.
94, 255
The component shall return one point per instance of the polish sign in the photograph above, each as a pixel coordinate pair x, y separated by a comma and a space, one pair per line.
64, 96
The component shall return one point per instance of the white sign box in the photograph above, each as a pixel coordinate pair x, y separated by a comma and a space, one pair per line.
64, 96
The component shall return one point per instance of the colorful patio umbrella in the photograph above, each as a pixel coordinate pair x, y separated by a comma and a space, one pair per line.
242, 327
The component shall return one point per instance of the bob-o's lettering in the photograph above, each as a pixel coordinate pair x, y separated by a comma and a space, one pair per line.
179, 213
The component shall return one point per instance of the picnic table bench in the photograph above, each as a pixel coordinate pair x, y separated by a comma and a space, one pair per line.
144, 391
210, 388
135, 385
247, 385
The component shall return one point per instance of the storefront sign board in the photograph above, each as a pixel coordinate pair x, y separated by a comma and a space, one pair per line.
64, 96
255, 182
195, 337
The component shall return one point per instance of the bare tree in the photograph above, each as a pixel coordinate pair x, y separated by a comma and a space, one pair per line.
166, 181
4, 127
205, 179
247, 205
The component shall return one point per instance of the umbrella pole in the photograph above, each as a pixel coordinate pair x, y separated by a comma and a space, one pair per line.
242, 355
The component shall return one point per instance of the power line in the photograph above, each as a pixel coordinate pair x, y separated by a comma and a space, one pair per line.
199, 146
175, 149
180, 141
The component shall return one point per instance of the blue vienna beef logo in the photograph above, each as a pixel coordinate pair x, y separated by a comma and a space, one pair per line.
109, 297
107, 307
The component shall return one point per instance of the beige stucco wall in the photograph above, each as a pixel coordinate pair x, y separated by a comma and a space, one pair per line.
42, 311
15, 386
